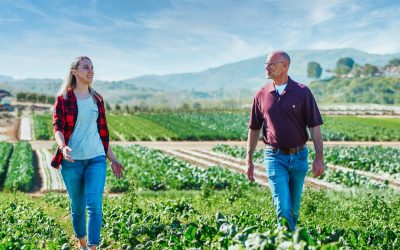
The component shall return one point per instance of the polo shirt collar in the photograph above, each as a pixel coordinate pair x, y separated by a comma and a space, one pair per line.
290, 84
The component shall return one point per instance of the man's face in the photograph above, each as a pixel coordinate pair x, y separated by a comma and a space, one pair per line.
274, 66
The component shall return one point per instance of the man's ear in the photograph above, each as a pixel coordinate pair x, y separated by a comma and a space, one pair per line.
286, 64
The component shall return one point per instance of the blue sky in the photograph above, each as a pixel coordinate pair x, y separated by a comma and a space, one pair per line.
135, 37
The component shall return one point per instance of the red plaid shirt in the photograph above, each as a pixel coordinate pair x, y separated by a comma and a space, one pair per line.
64, 119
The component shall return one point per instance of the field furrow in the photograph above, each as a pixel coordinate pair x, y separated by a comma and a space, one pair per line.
212, 159
51, 177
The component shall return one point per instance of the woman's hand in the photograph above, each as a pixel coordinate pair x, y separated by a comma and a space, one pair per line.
65, 151
117, 168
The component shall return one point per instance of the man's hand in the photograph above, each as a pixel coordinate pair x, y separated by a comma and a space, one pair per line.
318, 167
250, 170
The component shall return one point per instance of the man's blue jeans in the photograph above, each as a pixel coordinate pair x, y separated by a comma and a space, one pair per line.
286, 174
85, 180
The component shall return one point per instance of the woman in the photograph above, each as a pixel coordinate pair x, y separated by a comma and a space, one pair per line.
80, 130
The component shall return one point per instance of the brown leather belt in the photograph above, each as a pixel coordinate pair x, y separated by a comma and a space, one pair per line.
288, 150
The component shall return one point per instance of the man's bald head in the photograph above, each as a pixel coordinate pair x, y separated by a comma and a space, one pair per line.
277, 66
280, 55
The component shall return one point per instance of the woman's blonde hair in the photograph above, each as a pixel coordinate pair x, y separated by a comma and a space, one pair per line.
70, 82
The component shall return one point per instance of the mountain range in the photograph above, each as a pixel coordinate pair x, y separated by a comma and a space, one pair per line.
246, 74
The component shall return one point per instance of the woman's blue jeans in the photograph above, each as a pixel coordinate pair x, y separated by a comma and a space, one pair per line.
85, 180
286, 174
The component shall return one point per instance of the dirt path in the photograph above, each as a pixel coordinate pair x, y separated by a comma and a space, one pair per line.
51, 178
25, 132
8, 126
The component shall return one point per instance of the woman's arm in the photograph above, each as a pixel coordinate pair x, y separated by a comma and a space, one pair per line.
61, 145
59, 136
58, 128
116, 166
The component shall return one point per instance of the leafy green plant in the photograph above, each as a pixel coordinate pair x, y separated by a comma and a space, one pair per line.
21, 173
42, 127
5, 154
154, 170
24, 226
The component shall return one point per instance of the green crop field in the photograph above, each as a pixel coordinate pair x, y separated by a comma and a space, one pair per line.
224, 126
350, 128
154, 170
20, 174
166, 203
43, 127
208, 219
377, 159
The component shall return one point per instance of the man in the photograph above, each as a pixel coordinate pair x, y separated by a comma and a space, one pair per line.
283, 109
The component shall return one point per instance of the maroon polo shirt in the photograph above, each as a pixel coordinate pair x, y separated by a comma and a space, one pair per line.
284, 118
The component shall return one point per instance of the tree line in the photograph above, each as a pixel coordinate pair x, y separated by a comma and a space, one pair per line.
347, 67
35, 98
377, 90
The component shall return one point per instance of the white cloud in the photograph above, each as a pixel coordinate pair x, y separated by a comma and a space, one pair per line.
188, 35
7, 21
27, 6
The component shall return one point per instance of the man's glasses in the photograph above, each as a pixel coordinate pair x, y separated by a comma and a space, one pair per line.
271, 63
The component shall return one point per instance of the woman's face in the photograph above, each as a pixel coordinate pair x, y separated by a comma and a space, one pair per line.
84, 73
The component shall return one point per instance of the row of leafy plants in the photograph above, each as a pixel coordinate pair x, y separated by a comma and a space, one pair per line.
199, 219
179, 223
154, 170
42, 127
377, 159
348, 179
239, 216
136, 128
24, 225
203, 126
6, 149
224, 126
20, 171
351, 128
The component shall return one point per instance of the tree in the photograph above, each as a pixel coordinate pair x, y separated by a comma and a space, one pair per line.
394, 62
51, 99
41, 98
108, 107
117, 108
31, 97
197, 105
357, 70
21, 96
347, 61
314, 70
369, 70
344, 65
127, 109
185, 106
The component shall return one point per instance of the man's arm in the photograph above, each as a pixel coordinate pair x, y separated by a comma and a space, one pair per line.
252, 140
318, 163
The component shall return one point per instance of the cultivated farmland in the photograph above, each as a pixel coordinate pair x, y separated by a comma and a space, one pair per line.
203, 126
198, 197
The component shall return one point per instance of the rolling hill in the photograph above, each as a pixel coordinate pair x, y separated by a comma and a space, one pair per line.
214, 83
